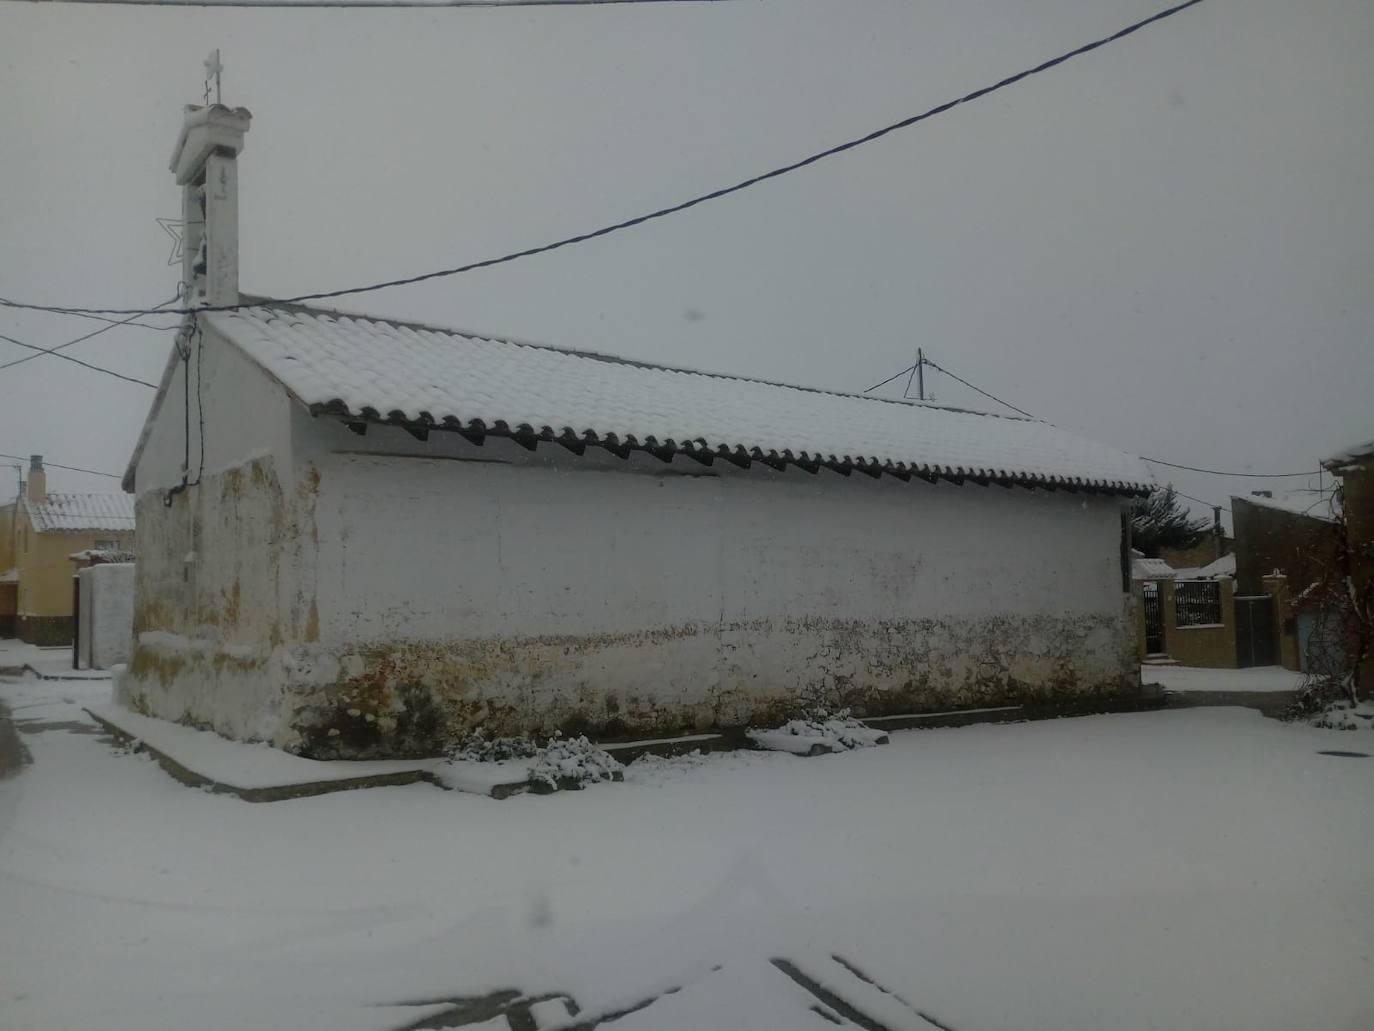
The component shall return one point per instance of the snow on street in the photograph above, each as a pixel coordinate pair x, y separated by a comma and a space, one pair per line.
1230, 681
1200, 868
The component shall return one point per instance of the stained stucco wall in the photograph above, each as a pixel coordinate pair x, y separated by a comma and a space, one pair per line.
661, 600
214, 589
365, 595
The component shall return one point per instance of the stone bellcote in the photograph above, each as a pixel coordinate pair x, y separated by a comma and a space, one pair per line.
205, 163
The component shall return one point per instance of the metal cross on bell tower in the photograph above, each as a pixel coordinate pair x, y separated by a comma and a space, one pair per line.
212, 72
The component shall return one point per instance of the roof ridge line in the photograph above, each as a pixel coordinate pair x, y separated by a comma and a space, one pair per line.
263, 302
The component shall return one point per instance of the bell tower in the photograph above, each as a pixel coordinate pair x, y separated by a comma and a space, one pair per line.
205, 163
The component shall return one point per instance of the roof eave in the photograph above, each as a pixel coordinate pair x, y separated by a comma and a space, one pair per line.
476, 431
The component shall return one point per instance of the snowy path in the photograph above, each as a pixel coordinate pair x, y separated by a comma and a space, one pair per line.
1201, 868
1230, 681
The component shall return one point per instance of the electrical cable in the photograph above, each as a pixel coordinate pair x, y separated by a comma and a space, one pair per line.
1223, 472
980, 390
335, 4
69, 358
70, 468
661, 212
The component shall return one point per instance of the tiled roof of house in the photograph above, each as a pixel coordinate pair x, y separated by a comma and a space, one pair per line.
67, 513
365, 368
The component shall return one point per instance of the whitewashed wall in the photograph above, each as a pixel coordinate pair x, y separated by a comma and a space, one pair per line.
540, 592
107, 614
355, 595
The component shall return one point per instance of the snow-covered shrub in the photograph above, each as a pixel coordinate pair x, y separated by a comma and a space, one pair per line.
571, 763
1342, 715
479, 748
818, 731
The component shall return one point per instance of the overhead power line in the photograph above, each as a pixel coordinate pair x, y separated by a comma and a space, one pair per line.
369, 4
366, 3
55, 351
895, 375
980, 390
725, 191
1224, 472
70, 468
1198, 500
66, 357
1156, 461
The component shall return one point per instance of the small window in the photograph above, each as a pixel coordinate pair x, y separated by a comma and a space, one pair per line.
1197, 603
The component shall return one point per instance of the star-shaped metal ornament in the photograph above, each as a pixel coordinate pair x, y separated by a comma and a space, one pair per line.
176, 229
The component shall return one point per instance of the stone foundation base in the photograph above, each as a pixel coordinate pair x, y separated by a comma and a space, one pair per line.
46, 630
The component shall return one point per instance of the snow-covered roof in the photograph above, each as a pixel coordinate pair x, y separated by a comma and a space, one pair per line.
1224, 566
1350, 456
372, 369
66, 513
1151, 569
1304, 505
102, 555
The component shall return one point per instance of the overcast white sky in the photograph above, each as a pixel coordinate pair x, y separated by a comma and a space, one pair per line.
1167, 244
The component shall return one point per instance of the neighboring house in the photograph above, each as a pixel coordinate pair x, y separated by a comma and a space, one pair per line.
45, 528
1355, 467
1189, 616
1236, 610
1292, 537
419, 532
9, 576
1214, 545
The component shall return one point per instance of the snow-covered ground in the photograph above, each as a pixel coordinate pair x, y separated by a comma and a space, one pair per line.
1193, 678
49, 661
1200, 868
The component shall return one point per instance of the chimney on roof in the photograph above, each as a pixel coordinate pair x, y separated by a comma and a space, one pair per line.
205, 163
1262, 493
38, 480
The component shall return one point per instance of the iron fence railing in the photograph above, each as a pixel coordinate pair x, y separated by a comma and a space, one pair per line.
1197, 602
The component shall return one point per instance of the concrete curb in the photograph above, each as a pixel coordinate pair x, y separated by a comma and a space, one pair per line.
627, 752
62, 676
281, 793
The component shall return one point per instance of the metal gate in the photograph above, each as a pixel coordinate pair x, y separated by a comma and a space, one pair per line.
1154, 618
1255, 631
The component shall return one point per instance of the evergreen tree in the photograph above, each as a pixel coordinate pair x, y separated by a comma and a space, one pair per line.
1160, 521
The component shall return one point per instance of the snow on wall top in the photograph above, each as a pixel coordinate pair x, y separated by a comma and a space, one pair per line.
1215, 570
1319, 508
1151, 569
1350, 456
63, 513
373, 368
